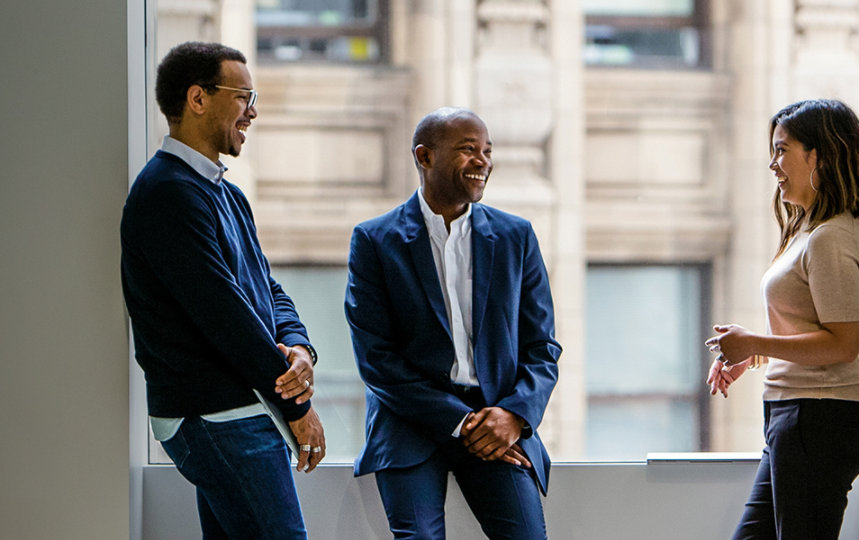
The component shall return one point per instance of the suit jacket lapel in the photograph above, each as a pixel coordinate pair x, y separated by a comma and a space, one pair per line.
418, 242
483, 252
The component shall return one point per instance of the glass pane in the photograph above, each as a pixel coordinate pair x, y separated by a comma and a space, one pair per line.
639, 8
335, 49
332, 30
339, 393
627, 430
643, 316
645, 47
312, 12
643, 359
318, 294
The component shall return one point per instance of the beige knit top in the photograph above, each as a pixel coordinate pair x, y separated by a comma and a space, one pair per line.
816, 280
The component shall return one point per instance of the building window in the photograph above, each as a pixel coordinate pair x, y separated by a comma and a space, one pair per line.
318, 293
669, 34
322, 30
645, 360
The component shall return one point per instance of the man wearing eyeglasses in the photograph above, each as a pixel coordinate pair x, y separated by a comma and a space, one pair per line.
210, 324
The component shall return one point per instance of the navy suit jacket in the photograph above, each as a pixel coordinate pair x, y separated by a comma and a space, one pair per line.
402, 338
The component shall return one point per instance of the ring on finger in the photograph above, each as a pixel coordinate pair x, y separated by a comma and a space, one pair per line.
316, 449
304, 448
306, 384
721, 358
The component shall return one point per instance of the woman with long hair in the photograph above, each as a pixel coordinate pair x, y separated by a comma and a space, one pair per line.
811, 347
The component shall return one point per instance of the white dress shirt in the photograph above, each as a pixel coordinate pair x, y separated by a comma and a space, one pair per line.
451, 252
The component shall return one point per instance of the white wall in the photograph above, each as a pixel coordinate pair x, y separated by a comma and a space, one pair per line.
63, 344
655, 501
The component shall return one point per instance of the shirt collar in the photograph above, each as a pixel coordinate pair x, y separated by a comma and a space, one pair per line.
200, 163
435, 222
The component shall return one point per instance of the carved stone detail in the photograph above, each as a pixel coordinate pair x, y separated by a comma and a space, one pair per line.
332, 146
513, 89
826, 26
827, 48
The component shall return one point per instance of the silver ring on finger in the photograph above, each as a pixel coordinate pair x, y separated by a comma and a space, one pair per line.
304, 448
316, 449
306, 384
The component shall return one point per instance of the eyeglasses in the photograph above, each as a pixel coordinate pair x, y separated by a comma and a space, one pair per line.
252, 98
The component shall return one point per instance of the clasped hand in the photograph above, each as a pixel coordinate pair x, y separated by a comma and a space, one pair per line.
311, 440
733, 346
297, 382
491, 434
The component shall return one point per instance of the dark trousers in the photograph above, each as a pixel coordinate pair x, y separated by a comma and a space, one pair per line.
807, 468
242, 474
504, 498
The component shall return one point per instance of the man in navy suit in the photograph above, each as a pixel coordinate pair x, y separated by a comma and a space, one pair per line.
452, 323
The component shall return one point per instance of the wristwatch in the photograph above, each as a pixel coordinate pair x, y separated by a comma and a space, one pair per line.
311, 350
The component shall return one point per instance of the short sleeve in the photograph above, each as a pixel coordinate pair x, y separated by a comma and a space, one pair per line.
833, 271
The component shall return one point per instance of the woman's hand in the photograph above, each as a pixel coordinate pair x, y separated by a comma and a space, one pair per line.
734, 344
722, 376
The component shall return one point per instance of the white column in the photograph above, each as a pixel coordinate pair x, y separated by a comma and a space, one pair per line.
178, 21
826, 49
527, 86
564, 425
238, 30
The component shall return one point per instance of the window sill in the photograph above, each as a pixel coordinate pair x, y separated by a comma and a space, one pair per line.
656, 458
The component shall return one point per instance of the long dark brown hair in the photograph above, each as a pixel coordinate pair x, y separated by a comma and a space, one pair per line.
830, 127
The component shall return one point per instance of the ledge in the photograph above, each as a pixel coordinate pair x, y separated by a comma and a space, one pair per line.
701, 457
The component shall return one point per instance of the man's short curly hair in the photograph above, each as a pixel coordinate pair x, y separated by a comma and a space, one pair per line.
190, 63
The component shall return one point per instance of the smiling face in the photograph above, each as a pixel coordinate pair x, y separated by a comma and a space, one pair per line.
457, 166
792, 165
229, 115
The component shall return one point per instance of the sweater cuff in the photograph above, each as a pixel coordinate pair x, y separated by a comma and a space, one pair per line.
291, 411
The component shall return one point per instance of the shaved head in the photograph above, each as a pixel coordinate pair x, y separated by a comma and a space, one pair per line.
432, 127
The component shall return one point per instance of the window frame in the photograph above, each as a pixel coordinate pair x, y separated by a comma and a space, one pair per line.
699, 398
700, 19
379, 29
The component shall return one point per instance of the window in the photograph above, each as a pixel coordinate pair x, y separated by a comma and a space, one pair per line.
644, 360
322, 30
646, 34
318, 293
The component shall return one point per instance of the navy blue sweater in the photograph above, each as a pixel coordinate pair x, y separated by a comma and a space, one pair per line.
205, 312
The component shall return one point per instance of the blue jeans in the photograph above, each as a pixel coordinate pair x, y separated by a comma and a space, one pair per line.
242, 474
807, 468
504, 498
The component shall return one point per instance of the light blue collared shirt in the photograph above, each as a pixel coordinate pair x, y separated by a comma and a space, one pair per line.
197, 161
164, 428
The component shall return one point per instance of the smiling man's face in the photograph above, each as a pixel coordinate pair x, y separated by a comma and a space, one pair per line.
230, 115
461, 162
